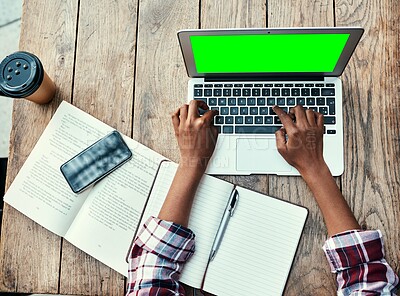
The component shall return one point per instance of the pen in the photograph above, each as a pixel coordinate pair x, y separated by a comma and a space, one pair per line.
230, 207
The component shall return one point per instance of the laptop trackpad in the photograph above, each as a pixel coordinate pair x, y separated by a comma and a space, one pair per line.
260, 155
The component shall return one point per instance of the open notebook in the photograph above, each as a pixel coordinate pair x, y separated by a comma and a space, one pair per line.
258, 246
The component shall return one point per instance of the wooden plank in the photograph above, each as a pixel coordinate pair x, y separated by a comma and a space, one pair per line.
81, 274
29, 254
371, 177
308, 274
315, 13
105, 61
161, 79
233, 14
103, 87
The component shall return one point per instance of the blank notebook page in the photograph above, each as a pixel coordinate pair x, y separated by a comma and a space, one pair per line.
210, 202
258, 247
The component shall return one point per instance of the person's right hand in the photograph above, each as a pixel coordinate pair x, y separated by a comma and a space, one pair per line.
299, 141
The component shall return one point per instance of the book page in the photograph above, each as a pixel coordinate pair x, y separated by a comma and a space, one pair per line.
258, 247
39, 190
107, 222
208, 206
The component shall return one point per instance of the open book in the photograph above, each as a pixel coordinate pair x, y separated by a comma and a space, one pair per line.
103, 219
259, 243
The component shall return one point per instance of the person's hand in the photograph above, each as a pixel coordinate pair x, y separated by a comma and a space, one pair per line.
299, 141
196, 139
304, 150
196, 135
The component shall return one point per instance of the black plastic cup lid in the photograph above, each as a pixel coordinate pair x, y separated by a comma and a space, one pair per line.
21, 74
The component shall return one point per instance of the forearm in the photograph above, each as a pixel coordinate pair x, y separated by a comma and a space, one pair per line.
335, 210
178, 203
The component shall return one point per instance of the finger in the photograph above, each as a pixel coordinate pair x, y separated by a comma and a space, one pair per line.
183, 112
311, 117
215, 132
280, 136
209, 116
202, 105
194, 106
175, 120
193, 111
291, 115
300, 115
284, 117
320, 120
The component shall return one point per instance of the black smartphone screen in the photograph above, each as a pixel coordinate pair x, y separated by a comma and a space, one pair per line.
96, 162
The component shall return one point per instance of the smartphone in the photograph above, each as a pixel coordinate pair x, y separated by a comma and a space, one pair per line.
95, 162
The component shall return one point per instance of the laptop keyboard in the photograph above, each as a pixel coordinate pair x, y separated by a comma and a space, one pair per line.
246, 108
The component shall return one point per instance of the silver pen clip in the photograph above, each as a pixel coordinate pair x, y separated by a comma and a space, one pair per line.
234, 200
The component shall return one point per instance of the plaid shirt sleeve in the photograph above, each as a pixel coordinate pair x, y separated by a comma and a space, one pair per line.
157, 258
357, 257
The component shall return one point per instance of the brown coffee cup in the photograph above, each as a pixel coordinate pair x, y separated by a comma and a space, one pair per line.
22, 76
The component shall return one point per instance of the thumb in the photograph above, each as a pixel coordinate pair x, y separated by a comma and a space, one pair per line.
280, 136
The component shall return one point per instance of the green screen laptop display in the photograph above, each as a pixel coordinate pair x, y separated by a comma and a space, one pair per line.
263, 53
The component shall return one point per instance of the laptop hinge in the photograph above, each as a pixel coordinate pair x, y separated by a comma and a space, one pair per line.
280, 78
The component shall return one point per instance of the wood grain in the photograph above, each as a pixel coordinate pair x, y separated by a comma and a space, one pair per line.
103, 87
310, 273
371, 107
233, 14
304, 13
29, 254
105, 61
161, 79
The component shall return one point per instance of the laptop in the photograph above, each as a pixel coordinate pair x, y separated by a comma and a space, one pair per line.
243, 73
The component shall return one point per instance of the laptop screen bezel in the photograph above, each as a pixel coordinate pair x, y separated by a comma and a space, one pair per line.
187, 52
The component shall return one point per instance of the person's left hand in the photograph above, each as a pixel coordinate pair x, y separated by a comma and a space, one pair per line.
196, 135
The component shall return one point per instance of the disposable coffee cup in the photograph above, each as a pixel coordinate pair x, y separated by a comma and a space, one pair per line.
22, 76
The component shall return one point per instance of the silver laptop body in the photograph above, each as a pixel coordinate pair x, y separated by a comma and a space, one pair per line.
244, 72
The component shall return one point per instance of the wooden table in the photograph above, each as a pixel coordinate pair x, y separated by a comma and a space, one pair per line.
120, 61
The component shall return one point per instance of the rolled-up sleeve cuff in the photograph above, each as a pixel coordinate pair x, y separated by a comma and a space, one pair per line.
166, 240
351, 248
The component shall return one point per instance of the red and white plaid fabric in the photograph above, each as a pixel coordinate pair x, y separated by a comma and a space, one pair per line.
357, 257
157, 258
162, 248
